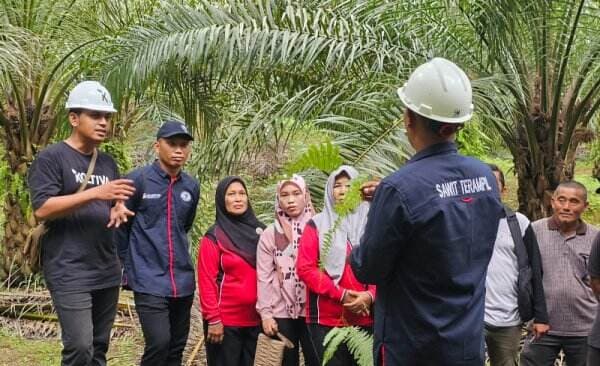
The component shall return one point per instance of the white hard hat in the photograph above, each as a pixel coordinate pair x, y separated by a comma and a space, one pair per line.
439, 90
90, 95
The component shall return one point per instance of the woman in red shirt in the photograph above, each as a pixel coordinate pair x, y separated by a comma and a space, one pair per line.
335, 297
227, 278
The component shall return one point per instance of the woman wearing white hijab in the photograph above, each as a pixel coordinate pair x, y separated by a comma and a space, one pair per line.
335, 297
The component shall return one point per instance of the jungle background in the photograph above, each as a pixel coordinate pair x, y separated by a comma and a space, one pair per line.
272, 87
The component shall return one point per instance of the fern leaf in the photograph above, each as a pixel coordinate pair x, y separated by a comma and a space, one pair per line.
324, 157
360, 345
358, 341
327, 240
332, 341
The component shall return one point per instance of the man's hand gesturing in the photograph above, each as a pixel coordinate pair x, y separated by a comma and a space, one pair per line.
118, 189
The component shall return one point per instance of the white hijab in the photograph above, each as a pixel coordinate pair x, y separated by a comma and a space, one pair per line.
349, 231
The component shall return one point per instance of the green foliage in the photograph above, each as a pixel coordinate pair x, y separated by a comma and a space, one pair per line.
584, 176
332, 342
4, 171
358, 341
472, 141
18, 189
205, 216
16, 185
324, 157
327, 240
18, 350
594, 151
119, 152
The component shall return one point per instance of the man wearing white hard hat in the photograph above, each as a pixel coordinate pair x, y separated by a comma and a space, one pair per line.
73, 189
430, 232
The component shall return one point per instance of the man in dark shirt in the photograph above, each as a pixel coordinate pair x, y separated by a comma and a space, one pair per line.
430, 233
154, 247
79, 258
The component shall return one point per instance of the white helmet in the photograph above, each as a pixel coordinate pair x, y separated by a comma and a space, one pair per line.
90, 95
439, 90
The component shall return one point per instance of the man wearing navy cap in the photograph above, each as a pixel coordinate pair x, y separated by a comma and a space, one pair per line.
153, 247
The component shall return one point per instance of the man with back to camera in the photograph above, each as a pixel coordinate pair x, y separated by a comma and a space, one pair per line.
430, 232
565, 242
79, 258
154, 247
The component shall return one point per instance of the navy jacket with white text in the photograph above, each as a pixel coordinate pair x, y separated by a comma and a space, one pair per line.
153, 245
427, 244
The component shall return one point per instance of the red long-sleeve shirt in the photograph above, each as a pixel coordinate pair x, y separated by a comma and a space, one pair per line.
324, 303
227, 286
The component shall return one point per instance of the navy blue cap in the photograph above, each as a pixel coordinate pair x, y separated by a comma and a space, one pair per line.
173, 128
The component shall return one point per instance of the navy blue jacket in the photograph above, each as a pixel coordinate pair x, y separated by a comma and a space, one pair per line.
427, 244
153, 246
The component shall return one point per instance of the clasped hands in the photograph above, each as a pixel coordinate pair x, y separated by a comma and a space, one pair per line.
358, 302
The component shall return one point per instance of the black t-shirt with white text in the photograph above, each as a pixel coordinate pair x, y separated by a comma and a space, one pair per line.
78, 252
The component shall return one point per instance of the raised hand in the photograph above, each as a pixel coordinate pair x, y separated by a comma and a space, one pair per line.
118, 189
367, 189
119, 214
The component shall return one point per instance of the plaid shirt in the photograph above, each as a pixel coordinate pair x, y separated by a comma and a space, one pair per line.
569, 298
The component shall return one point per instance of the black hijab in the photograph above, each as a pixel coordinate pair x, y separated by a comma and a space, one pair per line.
236, 233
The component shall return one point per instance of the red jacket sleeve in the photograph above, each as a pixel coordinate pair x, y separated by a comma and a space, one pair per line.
308, 269
208, 270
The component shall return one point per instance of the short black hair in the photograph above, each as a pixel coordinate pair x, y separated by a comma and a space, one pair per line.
573, 184
495, 168
77, 111
437, 127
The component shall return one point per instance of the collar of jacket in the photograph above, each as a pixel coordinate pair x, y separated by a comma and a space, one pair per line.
440, 148
161, 173
581, 228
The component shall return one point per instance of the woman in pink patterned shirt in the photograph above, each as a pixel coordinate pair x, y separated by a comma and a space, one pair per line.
281, 295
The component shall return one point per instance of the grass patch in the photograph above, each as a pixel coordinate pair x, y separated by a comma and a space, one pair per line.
21, 351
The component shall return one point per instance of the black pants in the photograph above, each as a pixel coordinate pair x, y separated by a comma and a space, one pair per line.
593, 356
296, 331
85, 321
237, 349
543, 351
341, 357
166, 323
